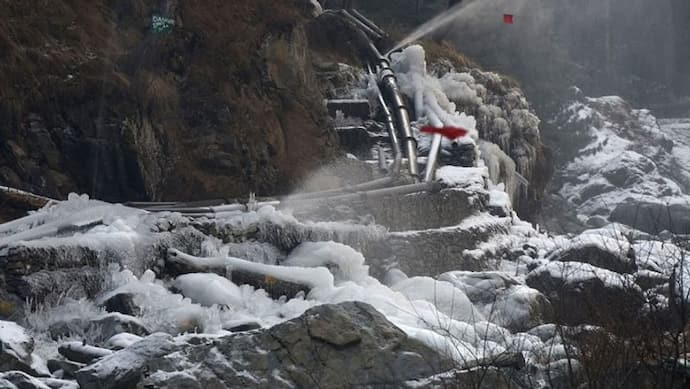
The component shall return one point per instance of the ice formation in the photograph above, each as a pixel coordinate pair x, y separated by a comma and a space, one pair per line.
430, 101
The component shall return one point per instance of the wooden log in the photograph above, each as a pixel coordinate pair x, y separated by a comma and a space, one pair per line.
274, 285
16, 203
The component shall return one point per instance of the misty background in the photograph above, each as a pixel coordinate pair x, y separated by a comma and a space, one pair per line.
638, 49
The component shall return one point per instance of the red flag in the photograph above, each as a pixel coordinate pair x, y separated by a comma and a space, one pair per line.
508, 18
449, 132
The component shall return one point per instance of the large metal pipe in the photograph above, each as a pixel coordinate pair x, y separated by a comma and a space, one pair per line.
433, 157
366, 21
361, 25
233, 209
391, 191
393, 134
389, 84
347, 189
435, 147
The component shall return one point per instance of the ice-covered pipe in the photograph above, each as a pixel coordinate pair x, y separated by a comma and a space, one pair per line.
393, 134
231, 209
389, 86
390, 191
347, 189
432, 159
435, 148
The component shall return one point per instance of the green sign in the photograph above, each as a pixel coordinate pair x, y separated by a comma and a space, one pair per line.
161, 24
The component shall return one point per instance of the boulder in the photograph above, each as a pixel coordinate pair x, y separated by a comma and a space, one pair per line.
68, 368
21, 380
652, 217
122, 303
503, 299
112, 324
81, 352
16, 348
344, 345
99, 329
121, 340
64, 328
597, 255
584, 294
124, 368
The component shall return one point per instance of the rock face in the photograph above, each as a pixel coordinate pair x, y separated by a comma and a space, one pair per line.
223, 104
344, 345
618, 164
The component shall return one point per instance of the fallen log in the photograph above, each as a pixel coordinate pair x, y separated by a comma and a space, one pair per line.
15, 203
277, 281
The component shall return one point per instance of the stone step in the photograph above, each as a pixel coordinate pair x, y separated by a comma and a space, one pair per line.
435, 251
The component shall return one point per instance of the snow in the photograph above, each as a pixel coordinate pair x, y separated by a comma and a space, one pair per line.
609, 238
434, 311
115, 366
429, 94
209, 289
78, 212
577, 272
499, 198
472, 178
165, 311
122, 340
54, 383
627, 157
500, 297
348, 263
15, 341
311, 277
446, 298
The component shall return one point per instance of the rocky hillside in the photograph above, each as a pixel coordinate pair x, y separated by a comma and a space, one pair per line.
94, 99
617, 164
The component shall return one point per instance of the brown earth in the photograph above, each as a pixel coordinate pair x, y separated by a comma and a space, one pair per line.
93, 101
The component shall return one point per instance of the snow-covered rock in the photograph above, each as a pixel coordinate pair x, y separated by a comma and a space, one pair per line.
584, 294
125, 367
329, 346
21, 380
503, 299
16, 350
618, 163
82, 353
600, 248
